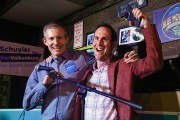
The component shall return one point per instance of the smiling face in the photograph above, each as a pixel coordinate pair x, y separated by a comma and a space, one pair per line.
103, 44
55, 39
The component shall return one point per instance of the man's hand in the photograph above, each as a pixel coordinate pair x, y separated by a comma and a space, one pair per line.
49, 78
131, 57
59, 74
138, 14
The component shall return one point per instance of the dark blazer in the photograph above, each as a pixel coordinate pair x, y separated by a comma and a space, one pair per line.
122, 75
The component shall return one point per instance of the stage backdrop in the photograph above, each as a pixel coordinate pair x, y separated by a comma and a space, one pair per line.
18, 59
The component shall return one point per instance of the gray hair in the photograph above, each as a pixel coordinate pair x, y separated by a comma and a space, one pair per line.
53, 25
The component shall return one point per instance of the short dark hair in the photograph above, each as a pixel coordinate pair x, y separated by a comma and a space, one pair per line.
113, 32
53, 25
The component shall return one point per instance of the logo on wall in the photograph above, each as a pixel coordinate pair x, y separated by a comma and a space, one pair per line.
167, 21
171, 22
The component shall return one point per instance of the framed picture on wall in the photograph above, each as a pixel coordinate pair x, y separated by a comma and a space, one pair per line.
78, 35
130, 35
90, 38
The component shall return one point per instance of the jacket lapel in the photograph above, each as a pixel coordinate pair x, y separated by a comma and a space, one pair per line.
112, 76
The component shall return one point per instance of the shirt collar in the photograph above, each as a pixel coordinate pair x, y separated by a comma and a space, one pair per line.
105, 63
64, 55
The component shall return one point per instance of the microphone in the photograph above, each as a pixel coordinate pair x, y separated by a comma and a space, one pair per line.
40, 67
115, 52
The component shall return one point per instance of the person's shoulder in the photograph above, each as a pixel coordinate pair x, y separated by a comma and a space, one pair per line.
116, 58
119, 62
84, 55
43, 63
81, 53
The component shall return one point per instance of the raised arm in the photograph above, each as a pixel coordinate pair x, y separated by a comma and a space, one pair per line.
153, 60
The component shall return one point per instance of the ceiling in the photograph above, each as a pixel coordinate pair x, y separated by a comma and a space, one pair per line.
39, 12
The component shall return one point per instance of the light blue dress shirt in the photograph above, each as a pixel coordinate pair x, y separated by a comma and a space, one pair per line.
58, 99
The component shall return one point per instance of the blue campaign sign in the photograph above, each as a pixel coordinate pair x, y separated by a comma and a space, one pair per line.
122, 8
167, 21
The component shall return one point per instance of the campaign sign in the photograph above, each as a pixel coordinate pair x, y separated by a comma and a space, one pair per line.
18, 59
122, 8
167, 21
